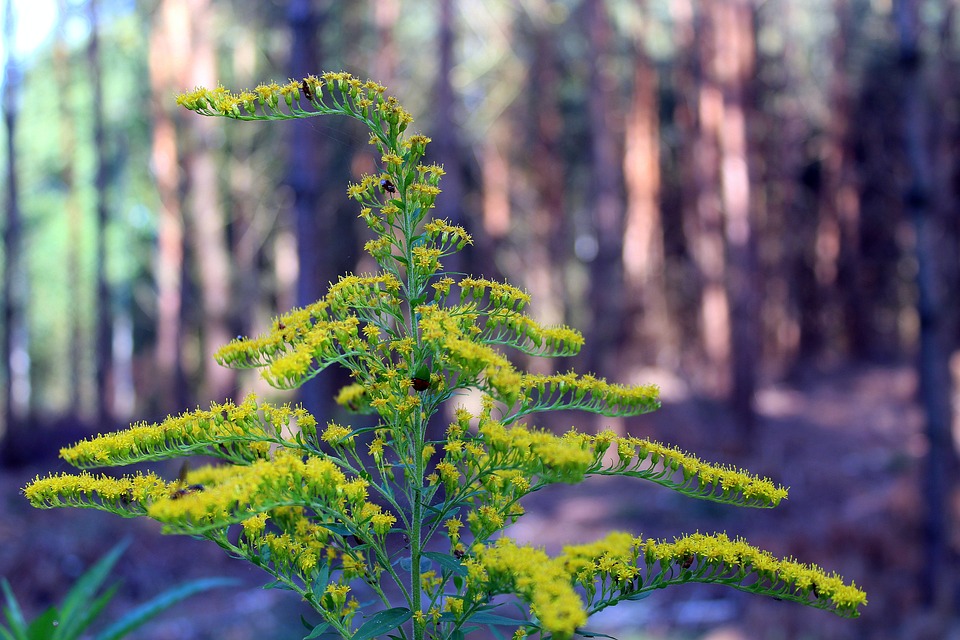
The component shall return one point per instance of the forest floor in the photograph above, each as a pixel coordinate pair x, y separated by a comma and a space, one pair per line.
848, 443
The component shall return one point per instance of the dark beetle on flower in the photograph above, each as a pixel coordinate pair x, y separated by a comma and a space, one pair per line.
387, 186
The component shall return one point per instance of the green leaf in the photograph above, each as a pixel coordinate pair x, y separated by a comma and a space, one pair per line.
317, 630
12, 612
594, 634
307, 625
322, 580
74, 612
277, 584
383, 622
337, 528
492, 618
150, 609
93, 611
446, 561
44, 626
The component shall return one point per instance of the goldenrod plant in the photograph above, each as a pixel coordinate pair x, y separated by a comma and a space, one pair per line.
413, 527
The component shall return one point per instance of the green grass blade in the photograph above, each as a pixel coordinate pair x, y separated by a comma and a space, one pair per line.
150, 609
73, 618
12, 612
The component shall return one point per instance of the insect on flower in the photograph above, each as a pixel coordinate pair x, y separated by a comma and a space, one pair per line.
185, 491
305, 87
388, 186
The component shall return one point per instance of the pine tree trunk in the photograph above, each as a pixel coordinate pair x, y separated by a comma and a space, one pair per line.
103, 350
445, 149
605, 200
938, 581
15, 354
643, 249
706, 233
306, 162
733, 66
77, 348
207, 218
547, 254
167, 61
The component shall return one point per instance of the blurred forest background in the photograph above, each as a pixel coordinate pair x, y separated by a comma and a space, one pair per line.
745, 201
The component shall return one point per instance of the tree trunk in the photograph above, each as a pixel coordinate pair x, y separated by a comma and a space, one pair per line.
445, 149
15, 354
605, 198
207, 218
103, 350
643, 249
938, 582
837, 232
77, 347
168, 60
306, 162
706, 231
547, 251
733, 66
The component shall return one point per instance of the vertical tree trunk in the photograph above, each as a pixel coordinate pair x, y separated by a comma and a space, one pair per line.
168, 59
685, 78
103, 355
938, 581
76, 350
838, 214
643, 250
706, 231
446, 141
545, 258
15, 355
207, 218
605, 198
306, 162
733, 66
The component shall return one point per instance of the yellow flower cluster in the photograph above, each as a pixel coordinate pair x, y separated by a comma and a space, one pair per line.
285, 480
502, 295
683, 472
506, 326
534, 577
586, 393
615, 563
240, 433
125, 496
536, 452
331, 93
450, 332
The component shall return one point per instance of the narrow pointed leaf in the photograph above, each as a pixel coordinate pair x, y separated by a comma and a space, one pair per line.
150, 609
383, 622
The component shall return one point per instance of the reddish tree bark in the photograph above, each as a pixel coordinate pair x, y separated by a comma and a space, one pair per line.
103, 349
446, 138
643, 250
605, 198
205, 215
168, 62
733, 67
